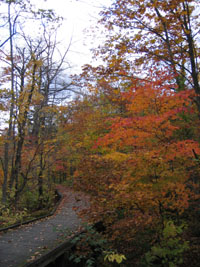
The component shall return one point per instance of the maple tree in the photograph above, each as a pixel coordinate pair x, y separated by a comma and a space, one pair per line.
144, 167
143, 170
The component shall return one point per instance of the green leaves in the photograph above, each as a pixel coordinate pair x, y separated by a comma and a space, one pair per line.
89, 246
170, 248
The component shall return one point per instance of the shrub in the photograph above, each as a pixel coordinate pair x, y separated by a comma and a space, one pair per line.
169, 250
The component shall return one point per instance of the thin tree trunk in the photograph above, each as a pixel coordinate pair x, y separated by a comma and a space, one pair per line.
10, 127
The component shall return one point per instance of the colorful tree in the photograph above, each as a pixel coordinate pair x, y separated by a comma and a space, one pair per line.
145, 33
146, 170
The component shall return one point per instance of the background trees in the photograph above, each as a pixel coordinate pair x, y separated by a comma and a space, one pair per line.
130, 138
31, 72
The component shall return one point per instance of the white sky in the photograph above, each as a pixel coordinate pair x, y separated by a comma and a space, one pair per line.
79, 16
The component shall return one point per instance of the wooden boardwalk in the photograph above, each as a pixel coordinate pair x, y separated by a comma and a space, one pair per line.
28, 242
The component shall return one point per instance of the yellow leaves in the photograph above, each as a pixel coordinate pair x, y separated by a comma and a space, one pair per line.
152, 41
137, 37
116, 156
112, 256
37, 98
187, 32
112, 64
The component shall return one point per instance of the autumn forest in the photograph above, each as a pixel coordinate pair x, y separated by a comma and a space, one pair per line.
125, 132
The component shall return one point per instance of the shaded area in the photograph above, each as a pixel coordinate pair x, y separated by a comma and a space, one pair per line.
33, 217
28, 242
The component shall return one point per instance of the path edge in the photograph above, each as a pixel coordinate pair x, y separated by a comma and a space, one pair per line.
60, 197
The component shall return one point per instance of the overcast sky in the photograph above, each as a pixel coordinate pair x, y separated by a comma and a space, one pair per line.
79, 16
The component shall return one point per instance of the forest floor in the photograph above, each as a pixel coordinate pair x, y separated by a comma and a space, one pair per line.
28, 242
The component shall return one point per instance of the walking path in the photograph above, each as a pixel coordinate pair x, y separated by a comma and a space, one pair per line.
27, 242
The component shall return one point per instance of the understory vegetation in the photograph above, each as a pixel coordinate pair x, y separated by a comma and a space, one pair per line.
29, 207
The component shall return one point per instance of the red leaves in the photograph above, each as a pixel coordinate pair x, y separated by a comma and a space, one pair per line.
148, 158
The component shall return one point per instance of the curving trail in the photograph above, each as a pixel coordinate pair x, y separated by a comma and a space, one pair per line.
27, 242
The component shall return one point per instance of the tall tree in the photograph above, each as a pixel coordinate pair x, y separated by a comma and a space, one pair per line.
152, 32
24, 83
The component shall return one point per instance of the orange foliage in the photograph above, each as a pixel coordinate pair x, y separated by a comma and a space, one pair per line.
149, 169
